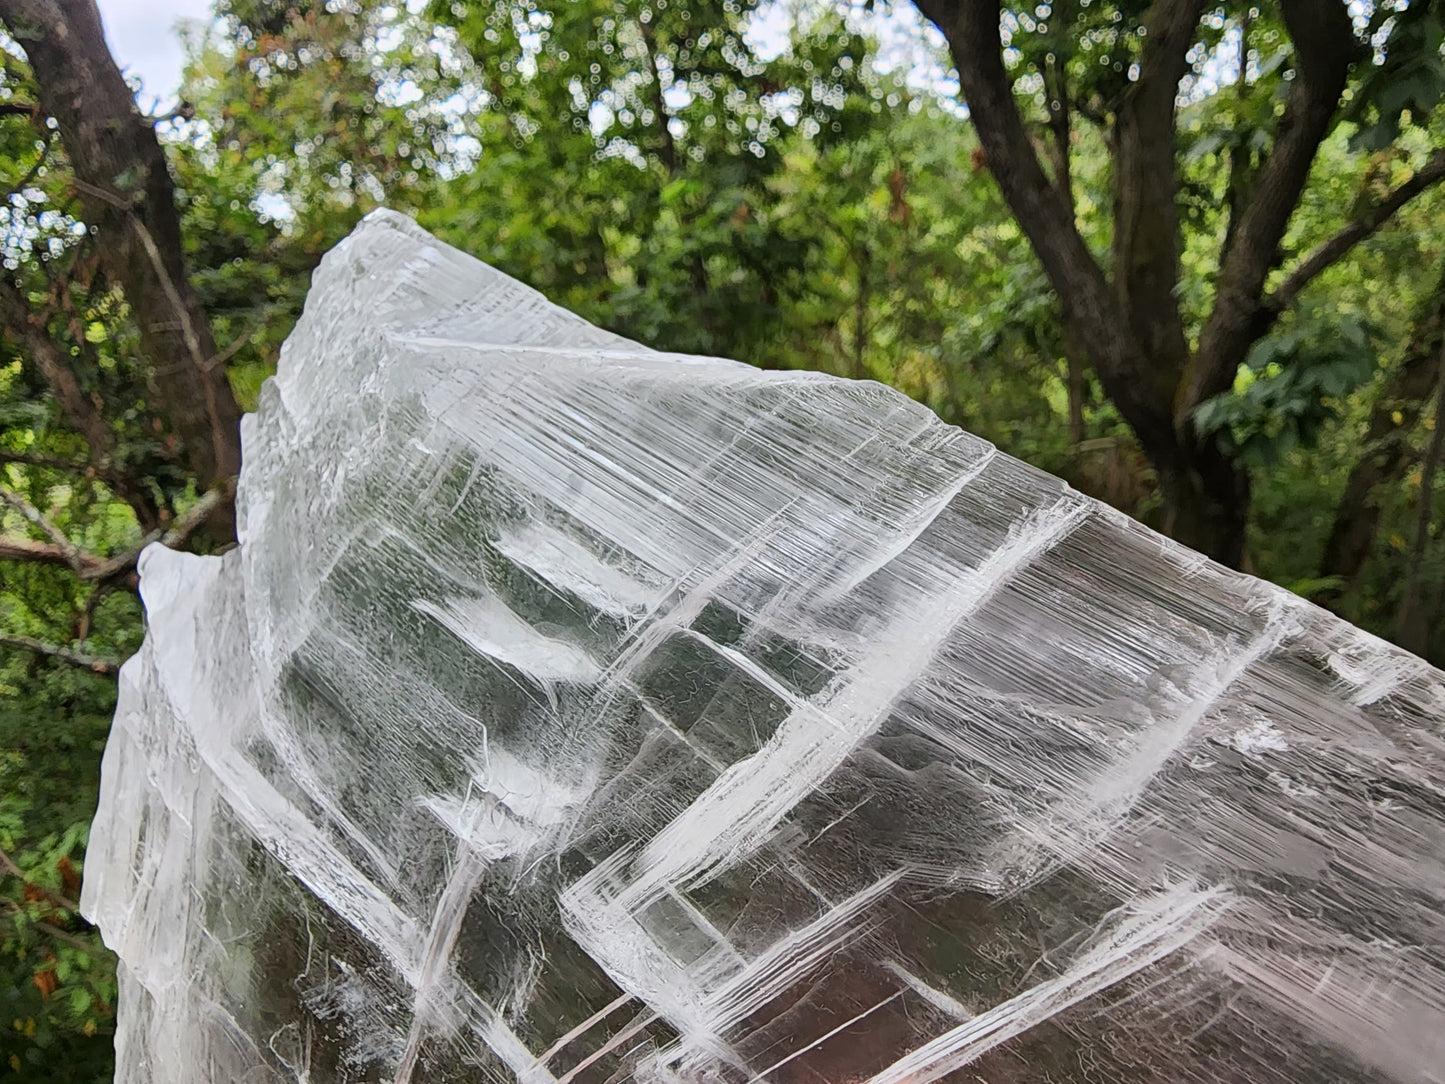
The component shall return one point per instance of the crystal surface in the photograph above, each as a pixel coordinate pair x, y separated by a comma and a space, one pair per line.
577, 712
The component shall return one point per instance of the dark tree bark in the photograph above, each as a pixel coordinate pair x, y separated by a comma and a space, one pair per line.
1388, 454
971, 28
1113, 328
1146, 216
1241, 162
127, 197
1412, 628
1056, 88
1128, 322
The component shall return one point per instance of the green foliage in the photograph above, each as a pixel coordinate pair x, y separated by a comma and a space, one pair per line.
672, 229
57, 982
652, 166
1407, 79
1295, 381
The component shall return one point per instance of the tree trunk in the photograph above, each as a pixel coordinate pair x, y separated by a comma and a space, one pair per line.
1129, 323
1076, 388
1206, 503
1146, 243
127, 197
1056, 87
1387, 455
864, 261
1412, 626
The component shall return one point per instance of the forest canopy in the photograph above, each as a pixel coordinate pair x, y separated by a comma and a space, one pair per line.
1188, 256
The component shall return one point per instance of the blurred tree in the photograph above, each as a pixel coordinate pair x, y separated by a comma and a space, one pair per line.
118, 426
124, 193
669, 173
669, 230
1127, 68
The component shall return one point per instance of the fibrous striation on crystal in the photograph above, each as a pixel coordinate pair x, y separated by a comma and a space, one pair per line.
572, 711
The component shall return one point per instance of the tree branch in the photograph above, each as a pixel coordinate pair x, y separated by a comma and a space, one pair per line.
1325, 47
1060, 108
1330, 252
107, 667
68, 548
236, 346
93, 569
971, 28
185, 527
21, 323
153, 254
1411, 626
23, 549
1385, 451
102, 570
108, 143
49, 462
1241, 169
92, 602
55, 369
1058, 104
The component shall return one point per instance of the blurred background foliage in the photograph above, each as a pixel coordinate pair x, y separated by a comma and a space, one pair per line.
793, 184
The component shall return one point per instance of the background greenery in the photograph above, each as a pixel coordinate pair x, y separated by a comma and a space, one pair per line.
805, 199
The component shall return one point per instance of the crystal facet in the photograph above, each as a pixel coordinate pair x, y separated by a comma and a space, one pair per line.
577, 712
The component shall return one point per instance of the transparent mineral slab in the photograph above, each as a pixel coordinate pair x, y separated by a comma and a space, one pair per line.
576, 712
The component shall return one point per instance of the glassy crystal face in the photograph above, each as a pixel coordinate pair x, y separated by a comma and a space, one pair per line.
576, 712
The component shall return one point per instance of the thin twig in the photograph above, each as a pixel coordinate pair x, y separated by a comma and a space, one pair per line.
92, 602
188, 330
117, 201
93, 569
1333, 249
173, 297
217, 360
186, 525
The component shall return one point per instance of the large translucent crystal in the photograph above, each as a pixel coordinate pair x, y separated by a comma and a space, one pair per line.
576, 712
